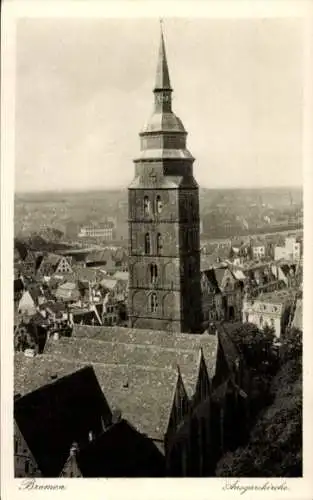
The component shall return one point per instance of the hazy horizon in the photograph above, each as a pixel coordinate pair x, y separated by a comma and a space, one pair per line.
124, 188
84, 91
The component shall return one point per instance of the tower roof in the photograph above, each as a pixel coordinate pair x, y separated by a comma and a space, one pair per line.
162, 81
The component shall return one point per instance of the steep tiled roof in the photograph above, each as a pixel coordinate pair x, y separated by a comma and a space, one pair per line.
52, 417
137, 370
68, 291
121, 452
49, 263
108, 283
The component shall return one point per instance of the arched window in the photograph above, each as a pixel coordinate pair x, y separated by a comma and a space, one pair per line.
153, 273
158, 204
159, 244
261, 321
147, 243
146, 205
153, 302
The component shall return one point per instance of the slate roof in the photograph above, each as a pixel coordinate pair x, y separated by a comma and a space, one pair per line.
87, 274
121, 452
52, 417
49, 263
68, 291
136, 369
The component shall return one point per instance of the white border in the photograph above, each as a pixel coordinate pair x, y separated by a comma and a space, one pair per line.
143, 488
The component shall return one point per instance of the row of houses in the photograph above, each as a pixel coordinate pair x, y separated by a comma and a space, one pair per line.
41, 265
259, 293
275, 248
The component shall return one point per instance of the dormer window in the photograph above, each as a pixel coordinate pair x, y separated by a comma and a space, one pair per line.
146, 205
147, 244
158, 204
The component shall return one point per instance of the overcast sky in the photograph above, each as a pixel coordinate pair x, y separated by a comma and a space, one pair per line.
84, 91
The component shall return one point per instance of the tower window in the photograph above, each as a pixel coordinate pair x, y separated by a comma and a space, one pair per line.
153, 273
159, 244
146, 205
147, 244
153, 302
159, 204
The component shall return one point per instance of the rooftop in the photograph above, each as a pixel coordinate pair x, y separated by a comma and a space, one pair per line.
136, 369
277, 297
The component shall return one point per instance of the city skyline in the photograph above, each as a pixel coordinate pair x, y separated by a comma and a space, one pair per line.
73, 96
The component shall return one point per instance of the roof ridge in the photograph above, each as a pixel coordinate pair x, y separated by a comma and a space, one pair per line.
143, 346
52, 357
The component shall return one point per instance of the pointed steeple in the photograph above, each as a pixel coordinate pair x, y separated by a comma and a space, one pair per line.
162, 81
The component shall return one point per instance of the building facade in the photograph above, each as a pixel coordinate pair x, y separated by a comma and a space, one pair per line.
269, 310
105, 231
291, 250
164, 241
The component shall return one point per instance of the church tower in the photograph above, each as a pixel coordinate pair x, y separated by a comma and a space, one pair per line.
163, 206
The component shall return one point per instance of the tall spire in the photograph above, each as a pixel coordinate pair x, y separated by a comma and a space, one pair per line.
162, 81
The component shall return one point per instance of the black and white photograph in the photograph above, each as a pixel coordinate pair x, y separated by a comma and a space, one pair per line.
158, 248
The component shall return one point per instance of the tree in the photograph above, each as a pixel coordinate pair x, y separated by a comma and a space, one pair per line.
257, 346
275, 444
274, 447
291, 347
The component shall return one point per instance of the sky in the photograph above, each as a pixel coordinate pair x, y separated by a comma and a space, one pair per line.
84, 91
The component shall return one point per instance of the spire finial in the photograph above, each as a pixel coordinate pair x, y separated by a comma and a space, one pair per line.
162, 77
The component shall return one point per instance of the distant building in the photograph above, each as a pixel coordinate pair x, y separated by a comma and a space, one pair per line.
290, 251
51, 264
212, 304
270, 309
258, 250
105, 230
231, 289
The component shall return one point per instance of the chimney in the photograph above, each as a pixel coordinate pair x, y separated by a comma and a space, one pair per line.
116, 416
74, 450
